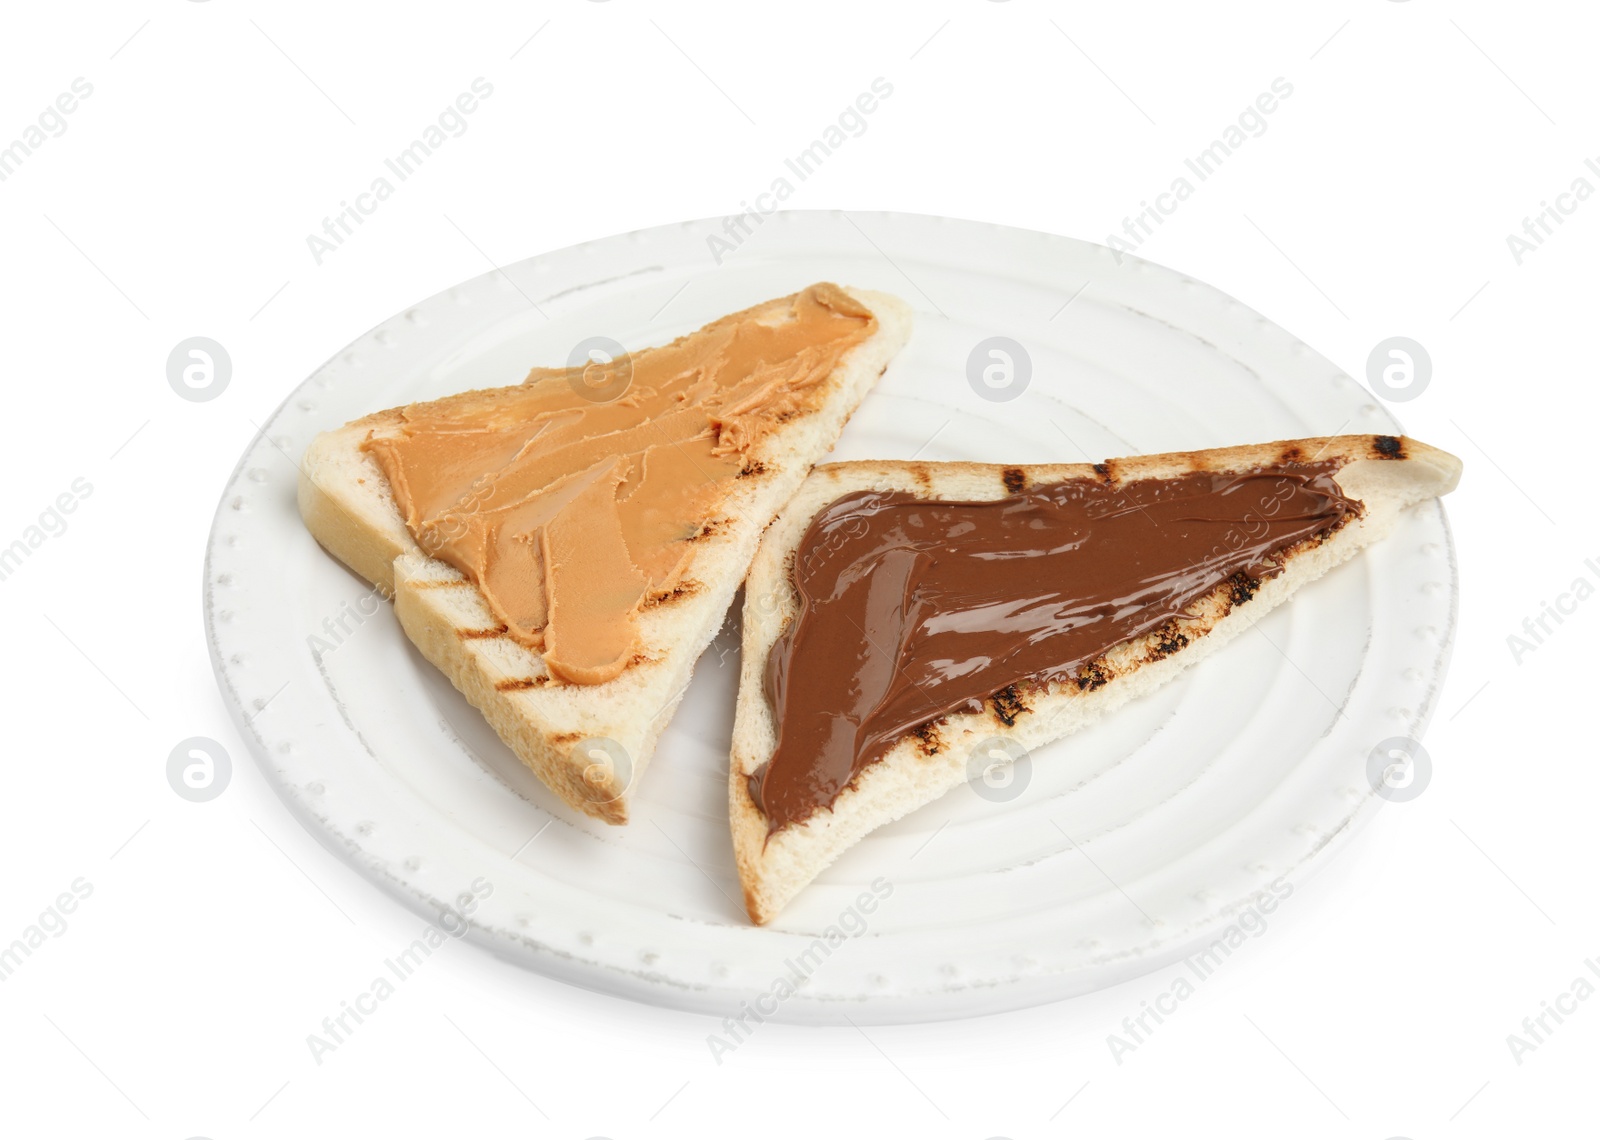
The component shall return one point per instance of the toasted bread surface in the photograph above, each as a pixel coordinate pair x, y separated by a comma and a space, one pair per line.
1386, 474
589, 743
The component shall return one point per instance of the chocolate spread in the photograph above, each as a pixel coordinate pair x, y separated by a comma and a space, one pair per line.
911, 610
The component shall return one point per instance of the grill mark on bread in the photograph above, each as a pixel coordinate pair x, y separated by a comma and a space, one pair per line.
684, 589
927, 737
1388, 447
565, 738
1290, 456
1105, 472
1015, 479
710, 529
1242, 587
1008, 705
1093, 675
1167, 641
518, 684
753, 468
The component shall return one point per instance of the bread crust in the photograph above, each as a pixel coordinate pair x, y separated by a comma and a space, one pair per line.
1386, 474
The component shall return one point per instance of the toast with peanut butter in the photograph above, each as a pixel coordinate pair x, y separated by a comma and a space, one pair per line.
909, 627
564, 549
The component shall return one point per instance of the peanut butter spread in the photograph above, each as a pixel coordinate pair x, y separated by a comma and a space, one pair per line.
573, 499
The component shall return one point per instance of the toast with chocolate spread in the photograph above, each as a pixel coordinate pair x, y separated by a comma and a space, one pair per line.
907, 625
565, 548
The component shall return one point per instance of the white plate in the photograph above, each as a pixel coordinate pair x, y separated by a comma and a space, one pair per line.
1249, 768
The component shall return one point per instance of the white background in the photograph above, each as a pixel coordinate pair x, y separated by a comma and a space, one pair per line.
177, 203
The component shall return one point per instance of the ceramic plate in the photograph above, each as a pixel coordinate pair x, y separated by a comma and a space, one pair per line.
1108, 855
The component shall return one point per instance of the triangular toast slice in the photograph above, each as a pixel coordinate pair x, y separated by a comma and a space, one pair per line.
778, 855
588, 735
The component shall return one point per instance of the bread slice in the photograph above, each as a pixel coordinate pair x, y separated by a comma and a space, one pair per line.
1385, 473
346, 503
